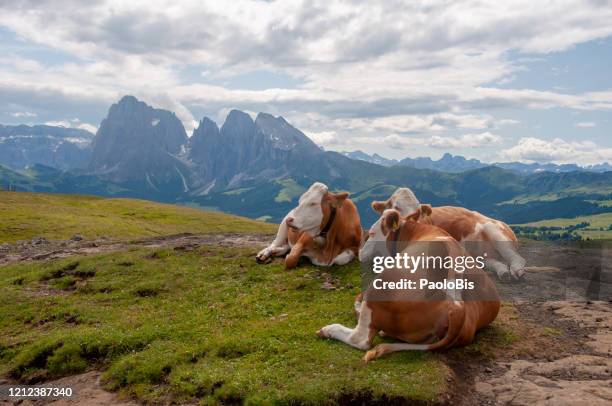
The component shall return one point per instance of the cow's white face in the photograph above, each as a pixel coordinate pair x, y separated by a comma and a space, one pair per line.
402, 200
376, 245
308, 215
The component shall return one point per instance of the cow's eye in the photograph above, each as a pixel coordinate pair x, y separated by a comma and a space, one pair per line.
313, 204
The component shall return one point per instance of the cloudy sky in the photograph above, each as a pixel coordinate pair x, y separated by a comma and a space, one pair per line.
498, 81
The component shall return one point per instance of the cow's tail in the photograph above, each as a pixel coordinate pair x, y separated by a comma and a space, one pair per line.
456, 319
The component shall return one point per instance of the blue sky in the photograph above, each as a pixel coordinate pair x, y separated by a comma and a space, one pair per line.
497, 82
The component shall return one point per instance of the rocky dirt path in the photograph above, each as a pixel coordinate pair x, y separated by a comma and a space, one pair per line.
562, 313
39, 249
87, 390
572, 366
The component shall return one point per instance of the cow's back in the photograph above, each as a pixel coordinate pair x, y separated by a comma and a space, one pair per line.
462, 224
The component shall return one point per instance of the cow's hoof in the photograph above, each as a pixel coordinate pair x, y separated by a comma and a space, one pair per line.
505, 277
263, 259
518, 274
321, 333
370, 355
376, 352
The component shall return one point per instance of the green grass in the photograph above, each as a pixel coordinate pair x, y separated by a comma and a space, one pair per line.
209, 324
290, 190
26, 215
237, 192
593, 231
601, 203
548, 197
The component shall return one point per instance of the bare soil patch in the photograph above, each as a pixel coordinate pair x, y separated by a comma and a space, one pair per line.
563, 354
87, 390
39, 249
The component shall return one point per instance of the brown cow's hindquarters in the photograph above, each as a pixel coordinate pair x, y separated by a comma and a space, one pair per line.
448, 324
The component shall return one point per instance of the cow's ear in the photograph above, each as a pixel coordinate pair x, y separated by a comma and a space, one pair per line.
391, 221
414, 216
425, 210
379, 206
338, 198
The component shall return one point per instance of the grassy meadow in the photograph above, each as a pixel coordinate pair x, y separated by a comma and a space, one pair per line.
25, 215
598, 228
206, 325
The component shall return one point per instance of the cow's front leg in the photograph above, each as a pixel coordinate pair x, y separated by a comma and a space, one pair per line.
517, 266
498, 267
304, 243
360, 337
344, 257
279, 246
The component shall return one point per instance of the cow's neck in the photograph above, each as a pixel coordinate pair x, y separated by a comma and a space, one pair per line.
328, 224
393, 241
399, 238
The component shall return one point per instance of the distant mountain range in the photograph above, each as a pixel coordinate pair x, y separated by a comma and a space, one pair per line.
259, 168
457, 163
63, 148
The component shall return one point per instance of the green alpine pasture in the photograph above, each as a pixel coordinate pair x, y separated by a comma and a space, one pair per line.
599, 225
25, 215
208, 324
205, 325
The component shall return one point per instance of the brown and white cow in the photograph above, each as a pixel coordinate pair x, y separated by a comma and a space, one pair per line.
466, 226
324, 227
442, 323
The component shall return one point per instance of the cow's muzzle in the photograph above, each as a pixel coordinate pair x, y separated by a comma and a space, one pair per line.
289, 222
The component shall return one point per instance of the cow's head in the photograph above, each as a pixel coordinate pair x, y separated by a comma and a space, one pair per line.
402, 200
314, 208
375, 244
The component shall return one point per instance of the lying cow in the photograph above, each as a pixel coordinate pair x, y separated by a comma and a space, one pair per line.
466, 226
324, 227
437, 324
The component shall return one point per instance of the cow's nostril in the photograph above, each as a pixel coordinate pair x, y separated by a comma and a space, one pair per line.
289, 220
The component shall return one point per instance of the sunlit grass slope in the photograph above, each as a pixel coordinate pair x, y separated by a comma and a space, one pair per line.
598, 228
25, 215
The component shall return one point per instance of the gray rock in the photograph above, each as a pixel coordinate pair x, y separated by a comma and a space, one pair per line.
39, 241
139, 144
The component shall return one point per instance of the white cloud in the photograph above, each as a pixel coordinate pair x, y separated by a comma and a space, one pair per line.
530, 149
585, 124
60, 123
88, 127
506, 122
425, 70
464, 141
73, 123
19, 114
325, 138
402, 142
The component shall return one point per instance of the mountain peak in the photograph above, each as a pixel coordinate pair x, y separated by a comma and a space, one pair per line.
204, 131
128, 99
206, 124
238, 115
135, 138
282, 134
264, 116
